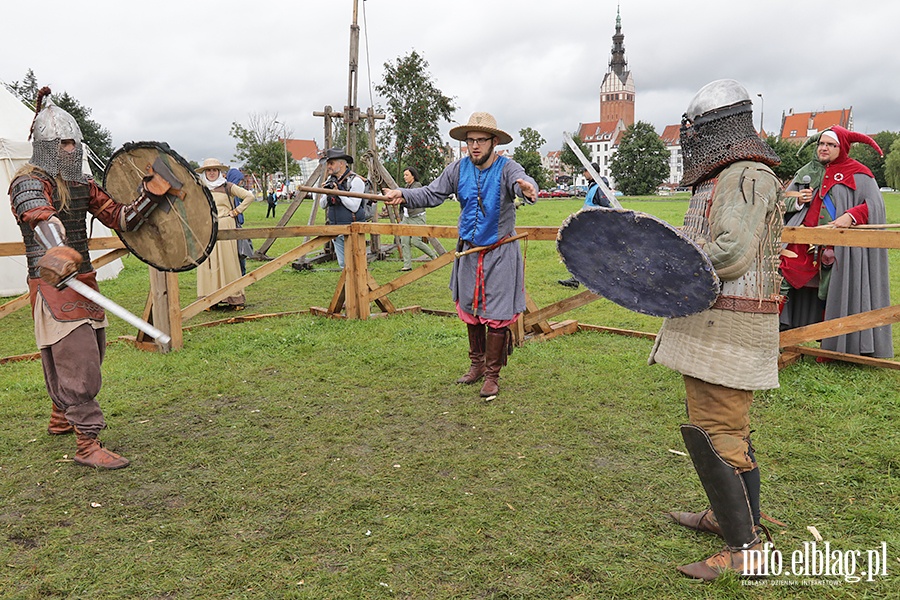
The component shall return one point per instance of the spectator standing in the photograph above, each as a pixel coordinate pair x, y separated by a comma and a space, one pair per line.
222, 267
413, 216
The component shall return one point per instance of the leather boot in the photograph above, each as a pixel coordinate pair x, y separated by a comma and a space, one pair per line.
59, 425
476, 354
748, 561
702, 521
496, 351
92, 454
730, 502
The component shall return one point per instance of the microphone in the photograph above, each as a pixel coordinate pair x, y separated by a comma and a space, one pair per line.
804, 183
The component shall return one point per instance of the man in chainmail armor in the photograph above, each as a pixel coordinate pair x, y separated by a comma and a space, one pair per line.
50, 198
726, 352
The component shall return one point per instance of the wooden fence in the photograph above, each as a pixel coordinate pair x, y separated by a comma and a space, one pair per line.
357, 289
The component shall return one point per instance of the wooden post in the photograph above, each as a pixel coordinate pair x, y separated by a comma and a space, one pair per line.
351, 111
166, 309
356, 269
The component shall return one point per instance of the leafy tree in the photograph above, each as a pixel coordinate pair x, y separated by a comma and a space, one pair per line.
415, 107
527, 154
26, 90
362, 143
97, 137
570, 159
790, 160
260, 148
642, 161
892, 165
867, 155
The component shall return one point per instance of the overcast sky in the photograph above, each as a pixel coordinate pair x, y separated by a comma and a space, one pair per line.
182, 72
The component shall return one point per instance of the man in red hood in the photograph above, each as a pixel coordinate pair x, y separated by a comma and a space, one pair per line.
827, 282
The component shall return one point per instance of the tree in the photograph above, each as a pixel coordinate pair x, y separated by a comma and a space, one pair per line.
415, 107
527, 154
791, 161
97, 137
362, 143
642, 161
867, 155
260, 148
26, 90
570, 159
892, 165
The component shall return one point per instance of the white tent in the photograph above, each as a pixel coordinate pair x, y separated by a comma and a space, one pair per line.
15, 122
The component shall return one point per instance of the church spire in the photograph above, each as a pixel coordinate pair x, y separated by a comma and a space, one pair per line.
617, 62
617, 90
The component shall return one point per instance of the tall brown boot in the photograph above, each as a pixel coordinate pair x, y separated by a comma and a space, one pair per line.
476, 355
59, 425
496, 350
92, 454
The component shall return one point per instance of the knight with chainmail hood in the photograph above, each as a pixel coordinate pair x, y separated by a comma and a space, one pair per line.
726, 352
51, 198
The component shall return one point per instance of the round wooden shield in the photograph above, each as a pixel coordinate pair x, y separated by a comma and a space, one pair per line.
181, 232
637, 261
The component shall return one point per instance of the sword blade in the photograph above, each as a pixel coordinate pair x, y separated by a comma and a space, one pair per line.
95, 296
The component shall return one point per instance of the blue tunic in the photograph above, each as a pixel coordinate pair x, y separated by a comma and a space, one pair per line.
503, 267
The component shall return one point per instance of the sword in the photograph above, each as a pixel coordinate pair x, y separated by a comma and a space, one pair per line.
95, 296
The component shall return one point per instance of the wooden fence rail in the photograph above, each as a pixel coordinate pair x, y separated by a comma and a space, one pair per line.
357, 288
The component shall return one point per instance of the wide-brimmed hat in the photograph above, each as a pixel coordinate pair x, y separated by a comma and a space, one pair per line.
212, 163
481, 121
333, 153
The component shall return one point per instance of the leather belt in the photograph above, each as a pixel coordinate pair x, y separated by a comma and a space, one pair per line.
747, 305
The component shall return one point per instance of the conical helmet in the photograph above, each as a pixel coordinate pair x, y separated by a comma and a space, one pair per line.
51, 126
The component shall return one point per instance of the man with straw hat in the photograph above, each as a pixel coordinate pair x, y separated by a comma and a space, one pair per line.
488, 278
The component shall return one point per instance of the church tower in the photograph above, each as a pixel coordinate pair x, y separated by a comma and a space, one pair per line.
617, 89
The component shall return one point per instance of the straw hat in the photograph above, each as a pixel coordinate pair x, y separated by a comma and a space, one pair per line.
481, 121
212, 163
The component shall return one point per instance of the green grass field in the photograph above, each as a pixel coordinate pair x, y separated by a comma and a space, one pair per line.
310, 458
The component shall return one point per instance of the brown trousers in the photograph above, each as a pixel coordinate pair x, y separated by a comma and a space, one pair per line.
724, 413
72, 373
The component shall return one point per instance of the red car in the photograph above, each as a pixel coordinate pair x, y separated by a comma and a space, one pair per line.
560, 194
543, 194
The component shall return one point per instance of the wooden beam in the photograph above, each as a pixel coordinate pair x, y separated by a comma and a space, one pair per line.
616, 331
556, 330
866, 238
841, 326
194, 309
536, 325
557, 308
340, 294
382, 302
851, 358
409, 277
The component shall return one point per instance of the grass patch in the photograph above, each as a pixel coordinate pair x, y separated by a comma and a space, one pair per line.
309, 458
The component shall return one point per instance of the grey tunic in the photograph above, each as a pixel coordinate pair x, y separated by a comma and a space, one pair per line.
504, 268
